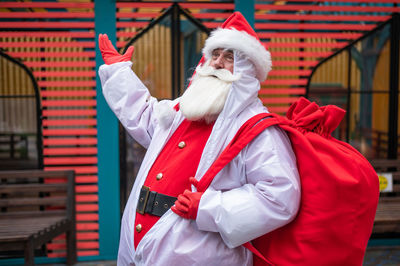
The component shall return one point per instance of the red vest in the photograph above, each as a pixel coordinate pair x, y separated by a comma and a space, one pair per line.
170, 172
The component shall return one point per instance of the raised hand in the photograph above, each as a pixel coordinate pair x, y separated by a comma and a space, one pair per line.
109, 54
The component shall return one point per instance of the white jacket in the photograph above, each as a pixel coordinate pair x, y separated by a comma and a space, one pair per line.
254, 194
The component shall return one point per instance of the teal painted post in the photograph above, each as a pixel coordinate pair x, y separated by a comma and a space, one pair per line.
107, 143
246, 7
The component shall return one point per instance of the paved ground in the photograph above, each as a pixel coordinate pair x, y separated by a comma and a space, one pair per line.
375, 256
97, 263
387, 256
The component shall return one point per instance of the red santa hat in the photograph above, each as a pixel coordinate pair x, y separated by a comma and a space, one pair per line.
236, 34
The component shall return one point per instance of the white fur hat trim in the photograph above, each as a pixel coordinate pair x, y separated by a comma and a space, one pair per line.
243, 42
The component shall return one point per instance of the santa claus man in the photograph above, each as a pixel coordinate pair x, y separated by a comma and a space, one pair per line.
166, 221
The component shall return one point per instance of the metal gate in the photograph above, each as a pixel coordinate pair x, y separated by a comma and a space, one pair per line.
20, 116
366, 84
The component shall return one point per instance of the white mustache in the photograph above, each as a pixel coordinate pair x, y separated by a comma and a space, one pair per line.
222, 74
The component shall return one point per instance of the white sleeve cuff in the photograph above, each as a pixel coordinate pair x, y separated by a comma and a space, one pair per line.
106, 71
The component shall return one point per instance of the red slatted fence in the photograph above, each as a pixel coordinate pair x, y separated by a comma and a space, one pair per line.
59, 47
298, 33
301, 33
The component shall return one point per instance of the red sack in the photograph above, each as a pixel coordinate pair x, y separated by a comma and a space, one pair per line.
339, 196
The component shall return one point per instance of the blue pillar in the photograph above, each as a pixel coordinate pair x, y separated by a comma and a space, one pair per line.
246, 7
107, 143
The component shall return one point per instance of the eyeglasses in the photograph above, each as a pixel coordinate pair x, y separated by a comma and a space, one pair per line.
227, 55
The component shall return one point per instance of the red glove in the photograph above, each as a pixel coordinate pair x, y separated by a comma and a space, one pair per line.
109, 54
187, 204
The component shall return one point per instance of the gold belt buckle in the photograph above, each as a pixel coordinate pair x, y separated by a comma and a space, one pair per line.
146, 197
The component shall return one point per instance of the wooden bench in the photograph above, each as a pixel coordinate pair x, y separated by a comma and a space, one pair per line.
35, 207
387, 219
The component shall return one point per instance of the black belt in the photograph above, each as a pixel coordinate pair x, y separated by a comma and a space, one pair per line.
154, 203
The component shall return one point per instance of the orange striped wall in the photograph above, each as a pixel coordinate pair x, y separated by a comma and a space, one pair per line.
300, 33
61, 55
57, 40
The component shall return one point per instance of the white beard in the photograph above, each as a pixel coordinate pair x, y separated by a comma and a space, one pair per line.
205, 98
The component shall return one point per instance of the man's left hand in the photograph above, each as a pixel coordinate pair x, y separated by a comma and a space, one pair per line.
109, 54
187, 204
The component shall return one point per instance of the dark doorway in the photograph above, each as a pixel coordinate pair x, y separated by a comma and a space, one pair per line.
20, 117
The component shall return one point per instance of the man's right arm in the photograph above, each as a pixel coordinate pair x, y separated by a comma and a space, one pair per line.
129, 99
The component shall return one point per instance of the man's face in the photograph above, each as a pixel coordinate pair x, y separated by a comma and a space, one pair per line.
221, 58
209, 88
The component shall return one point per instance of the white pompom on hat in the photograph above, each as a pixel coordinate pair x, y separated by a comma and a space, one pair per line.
236, 34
